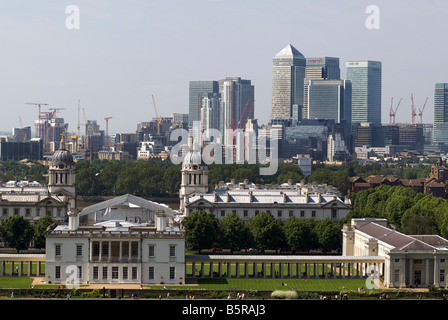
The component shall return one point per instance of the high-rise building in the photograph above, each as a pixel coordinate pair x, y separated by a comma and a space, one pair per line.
237, 100
288, 74
330, 99
197, 91
441, 113
319, 68
366, 91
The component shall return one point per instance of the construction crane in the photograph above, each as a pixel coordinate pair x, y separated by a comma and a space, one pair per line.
39, 126
159, 120
107, 132
413, 110
420, 111
392, 111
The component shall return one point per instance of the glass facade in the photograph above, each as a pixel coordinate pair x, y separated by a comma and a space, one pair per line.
288, 74
198, 90
441, 113
366, 90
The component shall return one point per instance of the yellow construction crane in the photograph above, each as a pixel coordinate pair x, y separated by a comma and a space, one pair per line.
159, 120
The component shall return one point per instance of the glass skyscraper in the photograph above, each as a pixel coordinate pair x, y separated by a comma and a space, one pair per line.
441, 113
288, 73
366, 91
199, 90
330, 99
318, 68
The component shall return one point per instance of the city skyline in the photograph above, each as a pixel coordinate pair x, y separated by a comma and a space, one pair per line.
123, 54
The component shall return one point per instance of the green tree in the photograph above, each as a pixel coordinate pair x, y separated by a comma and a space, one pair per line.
267, 232
201, 230
17, 232
329, 235
40, 231
234, 233
299, 233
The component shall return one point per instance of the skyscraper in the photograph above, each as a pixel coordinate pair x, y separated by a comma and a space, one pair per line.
366, 91
441, 113
330, 99
288, 73
199, 90
237, 104
318, 68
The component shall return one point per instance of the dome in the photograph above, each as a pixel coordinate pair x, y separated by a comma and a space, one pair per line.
62, 156
193, 156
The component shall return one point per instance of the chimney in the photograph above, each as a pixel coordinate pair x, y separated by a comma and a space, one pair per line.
73, 219
160, 220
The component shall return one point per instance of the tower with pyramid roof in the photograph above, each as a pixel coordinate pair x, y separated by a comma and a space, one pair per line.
288, 74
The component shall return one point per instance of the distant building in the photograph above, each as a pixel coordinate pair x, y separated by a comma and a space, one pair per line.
288, 74
365, 77
197, 91
11, 149
441, 114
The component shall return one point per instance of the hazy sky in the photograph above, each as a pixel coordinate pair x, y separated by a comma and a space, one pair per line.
125, 51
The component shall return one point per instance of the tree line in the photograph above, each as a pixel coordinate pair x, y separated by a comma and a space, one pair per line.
406, 210
262, 232
18, 233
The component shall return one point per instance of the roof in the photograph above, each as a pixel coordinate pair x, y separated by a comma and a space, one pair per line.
400, 241
289, 51
130, 200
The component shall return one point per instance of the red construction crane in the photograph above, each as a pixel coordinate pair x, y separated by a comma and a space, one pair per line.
392, 111
107, 132
420, 113
413, 110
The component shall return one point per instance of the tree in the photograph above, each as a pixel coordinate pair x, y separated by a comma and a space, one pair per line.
17, 232
40, 231
299, 233
329, 235
201, 230
267, 232
234, 233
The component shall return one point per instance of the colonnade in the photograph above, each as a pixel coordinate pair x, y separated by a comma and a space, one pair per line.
22, 265
232, 267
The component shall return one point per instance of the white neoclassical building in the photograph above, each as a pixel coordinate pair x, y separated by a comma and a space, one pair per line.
132, 241
408, 260
33, 200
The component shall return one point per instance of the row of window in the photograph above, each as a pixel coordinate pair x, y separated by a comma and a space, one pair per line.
105, 250
417, 276
52, 212
281, 213
113, 272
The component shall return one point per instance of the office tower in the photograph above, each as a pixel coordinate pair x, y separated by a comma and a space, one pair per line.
198, 90
366, 91
237, 105
210, 114
330, 99
318, 68
288, 74
441, 113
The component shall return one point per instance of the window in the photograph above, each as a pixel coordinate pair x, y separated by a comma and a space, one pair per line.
151, 273
397, 275
96, 249
172, 273
279, 213
57, 272
442, 275
151, 251
5, 211
245, 213
79, 272
16, 211
172, 251
302, 213
418, 261
104, 272
256, 212
114, 272
105, 249
27, 212
134, 273
223, 213
397, 260
57, 250
291, 213
95, 272
125, 273
78, 250
313, 214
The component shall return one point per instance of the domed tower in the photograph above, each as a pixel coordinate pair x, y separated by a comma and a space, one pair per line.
194, 175
62, 175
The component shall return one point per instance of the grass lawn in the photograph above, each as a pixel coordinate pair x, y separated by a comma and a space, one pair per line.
15, 282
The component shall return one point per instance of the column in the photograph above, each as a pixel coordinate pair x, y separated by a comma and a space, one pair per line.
436, 272
120, 254
229, 269
299, 272
263, 269
90, 250
272, 270
100, 258
333, 267
403, 273
255, 266
411, 277
326, 271
220, 269
202, 270
246, 269
426, 272
193, 267
30, 268
237, 269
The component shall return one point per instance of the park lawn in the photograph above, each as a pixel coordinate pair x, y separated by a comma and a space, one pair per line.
15, 282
